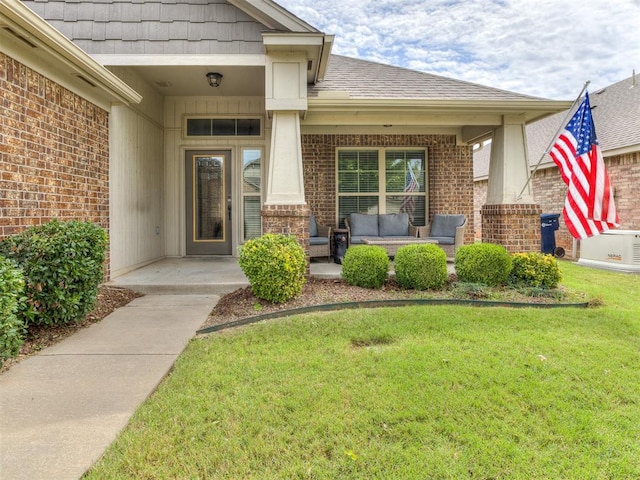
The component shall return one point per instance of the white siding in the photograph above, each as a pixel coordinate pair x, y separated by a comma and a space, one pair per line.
136, 179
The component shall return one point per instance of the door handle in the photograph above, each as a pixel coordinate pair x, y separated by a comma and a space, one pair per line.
229, 206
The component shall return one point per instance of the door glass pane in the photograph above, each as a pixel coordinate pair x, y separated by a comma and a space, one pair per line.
209, 198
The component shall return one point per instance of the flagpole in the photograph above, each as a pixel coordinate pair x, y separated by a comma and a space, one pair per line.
553, 139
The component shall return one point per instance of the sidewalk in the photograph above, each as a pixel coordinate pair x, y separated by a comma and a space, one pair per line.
60, 409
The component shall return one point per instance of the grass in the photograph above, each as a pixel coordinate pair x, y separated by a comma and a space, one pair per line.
413, 392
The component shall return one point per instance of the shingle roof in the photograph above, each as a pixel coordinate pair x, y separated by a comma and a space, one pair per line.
616, 115
366, 79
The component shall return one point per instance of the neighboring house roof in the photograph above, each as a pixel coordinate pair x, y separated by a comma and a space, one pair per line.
366, 79
616, 115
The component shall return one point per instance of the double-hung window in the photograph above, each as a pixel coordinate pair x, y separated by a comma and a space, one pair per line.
382, 181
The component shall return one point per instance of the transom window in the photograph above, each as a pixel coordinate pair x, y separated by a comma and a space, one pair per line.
382, 181
223, 127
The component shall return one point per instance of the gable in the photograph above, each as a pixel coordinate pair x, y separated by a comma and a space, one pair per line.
195, 27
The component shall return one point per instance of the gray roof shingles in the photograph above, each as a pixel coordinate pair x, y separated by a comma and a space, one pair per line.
366, 79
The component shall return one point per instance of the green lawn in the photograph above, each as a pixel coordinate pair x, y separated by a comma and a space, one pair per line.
412, 392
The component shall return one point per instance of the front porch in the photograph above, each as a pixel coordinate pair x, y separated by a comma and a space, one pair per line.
200, 276
204, 276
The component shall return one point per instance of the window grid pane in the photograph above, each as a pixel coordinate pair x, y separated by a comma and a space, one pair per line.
414, 205
358, 171
251, 215
356, 204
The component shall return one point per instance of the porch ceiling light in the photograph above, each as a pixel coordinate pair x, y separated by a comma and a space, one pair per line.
214, 79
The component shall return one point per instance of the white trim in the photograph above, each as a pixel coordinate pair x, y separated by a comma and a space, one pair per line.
218, 60
272, 15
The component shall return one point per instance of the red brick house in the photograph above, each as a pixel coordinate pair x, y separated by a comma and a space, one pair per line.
616, 114
248, 124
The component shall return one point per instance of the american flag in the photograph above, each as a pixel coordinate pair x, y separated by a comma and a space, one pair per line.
408, 201
589, 208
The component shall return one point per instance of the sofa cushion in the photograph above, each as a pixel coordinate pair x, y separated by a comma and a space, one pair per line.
313, 227
445, 225
362, 225
357, 239
393, 224
318, 240
444, 240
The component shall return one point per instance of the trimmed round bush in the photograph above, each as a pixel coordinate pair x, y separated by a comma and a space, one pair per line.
275, 266
63, 265
365, 266
535, 270
11, 327
483, 263
421, 267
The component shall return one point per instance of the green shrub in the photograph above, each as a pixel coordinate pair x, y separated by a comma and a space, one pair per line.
11, 327
421, 267
535, 270
63, 265
365, 266
484, 263
275, 266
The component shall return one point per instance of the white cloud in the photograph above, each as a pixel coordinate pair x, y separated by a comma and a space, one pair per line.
547, 48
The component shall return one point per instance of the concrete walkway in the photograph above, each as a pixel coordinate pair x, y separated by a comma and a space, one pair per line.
61, 409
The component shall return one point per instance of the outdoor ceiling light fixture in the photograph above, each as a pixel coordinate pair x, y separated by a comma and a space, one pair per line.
214, 79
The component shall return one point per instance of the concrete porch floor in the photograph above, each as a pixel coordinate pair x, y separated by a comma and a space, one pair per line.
205, 276
200, 276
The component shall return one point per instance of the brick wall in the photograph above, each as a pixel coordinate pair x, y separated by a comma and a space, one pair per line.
550, 191
288, 220
516, 226
450, 172
54, 152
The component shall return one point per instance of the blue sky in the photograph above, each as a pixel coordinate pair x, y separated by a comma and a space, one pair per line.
547, 48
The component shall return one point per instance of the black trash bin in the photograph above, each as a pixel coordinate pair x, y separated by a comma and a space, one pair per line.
549, 223
341, 243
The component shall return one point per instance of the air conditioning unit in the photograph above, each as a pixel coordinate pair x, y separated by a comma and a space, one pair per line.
613, 250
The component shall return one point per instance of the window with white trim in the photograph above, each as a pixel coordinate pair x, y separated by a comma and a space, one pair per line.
223, 127
388, 180
251, 192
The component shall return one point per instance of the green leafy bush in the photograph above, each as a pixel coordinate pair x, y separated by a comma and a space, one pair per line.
63, 265
275, 266
421, 267
535, 270
365, 266
484, 263
11, 327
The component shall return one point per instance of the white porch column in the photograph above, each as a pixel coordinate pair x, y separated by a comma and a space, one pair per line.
510, 218
509, 166
285, 184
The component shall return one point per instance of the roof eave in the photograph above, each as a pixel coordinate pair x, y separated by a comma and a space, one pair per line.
273, 16
22, 21
532, 109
